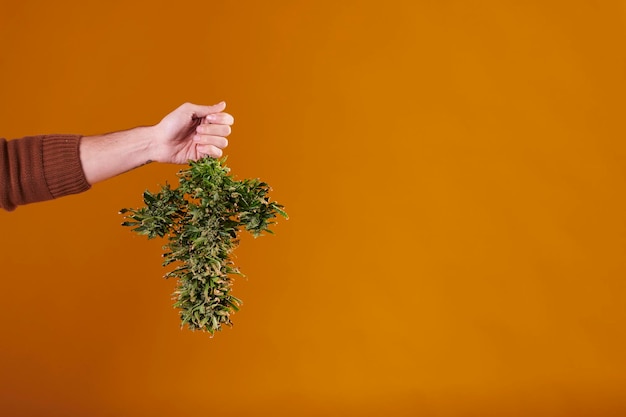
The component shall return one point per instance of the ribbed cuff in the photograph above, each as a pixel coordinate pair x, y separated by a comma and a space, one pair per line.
61, 163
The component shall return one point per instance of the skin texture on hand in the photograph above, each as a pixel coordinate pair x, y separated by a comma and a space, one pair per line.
192, 132
188, 133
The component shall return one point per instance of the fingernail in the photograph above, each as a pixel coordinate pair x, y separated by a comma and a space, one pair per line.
211, 117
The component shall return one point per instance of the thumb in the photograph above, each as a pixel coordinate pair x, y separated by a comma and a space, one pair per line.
202, 111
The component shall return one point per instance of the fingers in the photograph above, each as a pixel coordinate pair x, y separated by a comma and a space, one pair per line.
214, 134
214, 130
210, 135
217, 141
198, 111
209, 150
220, 118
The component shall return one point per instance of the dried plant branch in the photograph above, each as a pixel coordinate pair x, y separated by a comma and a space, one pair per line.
201, 220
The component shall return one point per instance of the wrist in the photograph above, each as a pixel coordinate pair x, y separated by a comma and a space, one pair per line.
148, 138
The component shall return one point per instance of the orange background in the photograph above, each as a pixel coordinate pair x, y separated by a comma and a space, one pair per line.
454, 172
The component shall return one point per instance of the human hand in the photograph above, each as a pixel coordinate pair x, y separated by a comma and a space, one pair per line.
191, 132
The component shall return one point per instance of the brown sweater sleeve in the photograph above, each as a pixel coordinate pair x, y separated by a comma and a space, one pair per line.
39, 168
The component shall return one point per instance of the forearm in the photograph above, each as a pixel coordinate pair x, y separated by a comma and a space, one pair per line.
108, 155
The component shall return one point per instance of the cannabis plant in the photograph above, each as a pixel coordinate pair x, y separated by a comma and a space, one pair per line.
201, 220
